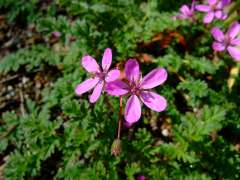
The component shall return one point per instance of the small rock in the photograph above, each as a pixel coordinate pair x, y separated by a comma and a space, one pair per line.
8, 96
38, 85
9, 88
24, 79
165, 132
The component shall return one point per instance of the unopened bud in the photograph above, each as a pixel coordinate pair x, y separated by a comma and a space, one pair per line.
116, 147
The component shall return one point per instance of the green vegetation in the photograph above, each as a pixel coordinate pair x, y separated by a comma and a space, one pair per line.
48, 132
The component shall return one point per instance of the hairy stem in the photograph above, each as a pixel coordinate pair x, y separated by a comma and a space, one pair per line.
120, 119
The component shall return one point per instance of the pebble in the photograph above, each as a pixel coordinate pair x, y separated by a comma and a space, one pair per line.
9, 88
12, 93
165, 132
38, 85
8, 96
20, 85
26, 96
24, 79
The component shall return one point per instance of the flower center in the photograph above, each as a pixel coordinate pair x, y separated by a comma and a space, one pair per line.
227, 41
134, 89
101, 75
190, 14
214, 6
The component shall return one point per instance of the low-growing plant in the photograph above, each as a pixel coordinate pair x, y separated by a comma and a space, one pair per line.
188, 128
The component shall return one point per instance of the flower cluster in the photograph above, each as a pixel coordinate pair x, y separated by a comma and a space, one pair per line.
139, 90
229, 41
99, 76
186, 12
134, 86
215, 9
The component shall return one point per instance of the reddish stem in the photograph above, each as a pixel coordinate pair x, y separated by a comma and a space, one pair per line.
120, 119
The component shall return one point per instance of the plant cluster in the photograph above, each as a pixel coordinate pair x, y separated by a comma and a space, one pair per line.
51, 131
215, 10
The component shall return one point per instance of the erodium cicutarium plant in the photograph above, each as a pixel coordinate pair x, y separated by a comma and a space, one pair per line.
134, 85
138, 89
228, 41
213, 9
99, 76
186, 12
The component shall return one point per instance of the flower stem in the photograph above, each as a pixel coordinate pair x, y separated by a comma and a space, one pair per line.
116, 146
120, 119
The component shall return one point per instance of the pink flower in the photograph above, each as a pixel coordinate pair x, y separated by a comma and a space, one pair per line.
213, 9
138, 89
229, 41
186, 12
99, 76
56, 34
141, 177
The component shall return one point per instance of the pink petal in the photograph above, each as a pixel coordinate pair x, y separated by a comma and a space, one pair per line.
175, 18
56, 34
112, 75
233, 30
117, 88
212, 2
107, 59
185, 10
132, 110
132, 70
86, 85
141, 177
208, 17
224, 16
193, 5
218, 46
154, 78
203, 8
127, 124
225, 2
219, 14
235, 42
90, 64
154, 101
234, 52
217, 34
96, 92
